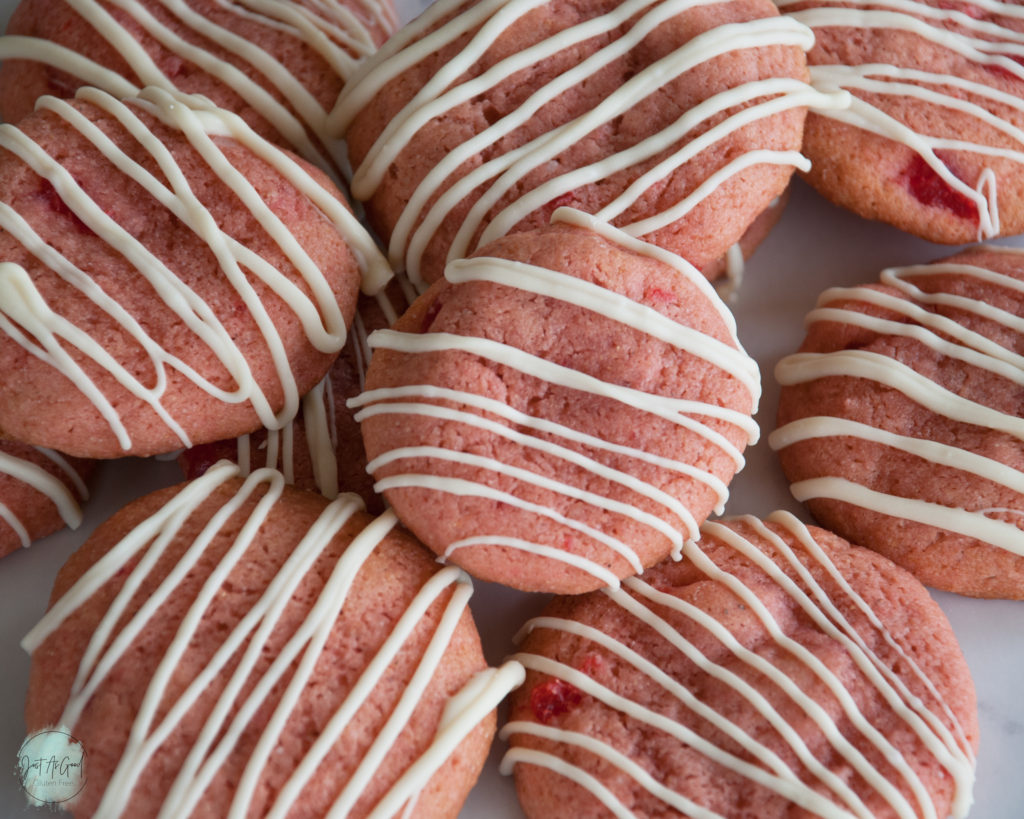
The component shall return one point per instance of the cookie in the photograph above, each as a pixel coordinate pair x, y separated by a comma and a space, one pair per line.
168, 277
679, 124
933, 140
900, 419
776, 671
279, 65
242, 644
561, 410
41, 492
321, 449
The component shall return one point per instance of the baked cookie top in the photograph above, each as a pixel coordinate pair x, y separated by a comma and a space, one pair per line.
562, 410
900, 419
674, 121
775, 671
236, 644
933, 141
278, 65
168, 277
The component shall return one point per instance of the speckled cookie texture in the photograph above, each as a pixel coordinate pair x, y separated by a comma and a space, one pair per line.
162, 290
479, 119
237, 641
278, 65
900, 419
321, 450
41, 492
932, 143
775, 671
561, 409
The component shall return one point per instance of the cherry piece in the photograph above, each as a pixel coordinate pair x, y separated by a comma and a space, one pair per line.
930, 189
554, 698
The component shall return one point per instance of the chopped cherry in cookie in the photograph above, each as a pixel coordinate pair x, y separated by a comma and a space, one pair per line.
930, 189
553, 699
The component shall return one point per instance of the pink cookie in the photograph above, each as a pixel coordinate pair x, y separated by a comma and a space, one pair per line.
479, 119
900, 419
776, 671
163, 283
266, 649
561, 410
934, 140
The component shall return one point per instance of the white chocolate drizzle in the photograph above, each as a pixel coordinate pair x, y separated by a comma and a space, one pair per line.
922, 321
482, 24
57, 489
318, 417
291, 668
985, 43
29, 321
811, 785
331, 29
558, 440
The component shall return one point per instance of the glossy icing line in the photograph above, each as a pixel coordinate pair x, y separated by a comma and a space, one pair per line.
57, 489
825, 793
318, 417
467, 707
336, 34
591, 567
922, 317
242, 696
983, 42
382, 401
481, 24
594, 297
22, 306
320, 430
536, 433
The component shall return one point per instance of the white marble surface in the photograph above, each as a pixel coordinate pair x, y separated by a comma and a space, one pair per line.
815, 246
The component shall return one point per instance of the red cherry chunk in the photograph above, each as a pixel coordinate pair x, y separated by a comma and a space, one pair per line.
930, 189
554, 698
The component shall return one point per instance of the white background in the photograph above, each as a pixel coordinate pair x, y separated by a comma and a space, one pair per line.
815, 246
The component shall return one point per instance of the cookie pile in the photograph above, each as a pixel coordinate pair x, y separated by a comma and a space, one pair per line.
517, 362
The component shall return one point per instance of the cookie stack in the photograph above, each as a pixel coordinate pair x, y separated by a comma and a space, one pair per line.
534, 379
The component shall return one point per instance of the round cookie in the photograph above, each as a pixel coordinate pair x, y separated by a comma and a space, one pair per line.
278, 65
776, 671
561, 410
479, 119
41, 492
321, 449
231, 643
167, 277
899, 420
933, 140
